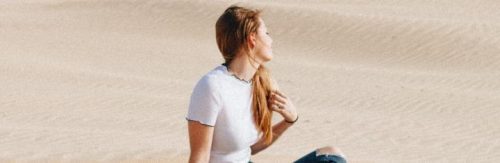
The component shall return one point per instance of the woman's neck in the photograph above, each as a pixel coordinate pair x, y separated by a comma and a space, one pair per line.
242, 68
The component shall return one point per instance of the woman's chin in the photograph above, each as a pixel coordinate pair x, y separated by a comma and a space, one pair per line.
269, 58
266, 57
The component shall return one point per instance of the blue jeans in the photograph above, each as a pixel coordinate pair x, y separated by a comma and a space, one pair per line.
324, 158
312, 158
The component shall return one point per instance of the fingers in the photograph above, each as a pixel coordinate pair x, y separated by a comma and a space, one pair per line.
278, 104
275, 107
278, 100
280, 94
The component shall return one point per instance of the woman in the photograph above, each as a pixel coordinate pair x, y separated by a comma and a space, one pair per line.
230, 110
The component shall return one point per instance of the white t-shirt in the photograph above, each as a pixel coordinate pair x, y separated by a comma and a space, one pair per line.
222, 101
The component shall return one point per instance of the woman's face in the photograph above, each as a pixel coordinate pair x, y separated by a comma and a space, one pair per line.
263, 50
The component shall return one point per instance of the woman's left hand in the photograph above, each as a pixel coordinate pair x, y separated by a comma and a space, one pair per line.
280, 103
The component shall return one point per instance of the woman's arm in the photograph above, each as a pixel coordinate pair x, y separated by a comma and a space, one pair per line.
200, 140
278, 130
281, 104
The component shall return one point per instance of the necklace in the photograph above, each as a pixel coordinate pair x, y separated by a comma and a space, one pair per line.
234, 75
243, 80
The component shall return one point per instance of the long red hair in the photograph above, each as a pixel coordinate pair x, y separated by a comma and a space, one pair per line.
232, 29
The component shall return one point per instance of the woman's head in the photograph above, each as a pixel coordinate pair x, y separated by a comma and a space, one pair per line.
241, 31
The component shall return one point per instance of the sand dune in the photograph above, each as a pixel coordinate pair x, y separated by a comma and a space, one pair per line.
385, 80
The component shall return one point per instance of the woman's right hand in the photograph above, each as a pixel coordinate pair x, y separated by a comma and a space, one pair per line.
280, 103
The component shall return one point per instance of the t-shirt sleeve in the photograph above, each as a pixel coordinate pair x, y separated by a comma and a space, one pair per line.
204, 105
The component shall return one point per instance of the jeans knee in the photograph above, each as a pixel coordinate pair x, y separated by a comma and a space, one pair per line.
330, 150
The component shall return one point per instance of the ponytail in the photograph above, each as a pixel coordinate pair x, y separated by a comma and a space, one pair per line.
261, 112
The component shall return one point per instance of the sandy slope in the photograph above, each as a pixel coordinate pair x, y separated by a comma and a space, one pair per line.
385, 80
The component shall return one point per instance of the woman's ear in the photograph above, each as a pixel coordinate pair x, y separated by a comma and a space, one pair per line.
252, 40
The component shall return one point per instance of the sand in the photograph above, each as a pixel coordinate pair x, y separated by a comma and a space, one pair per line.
385, 80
